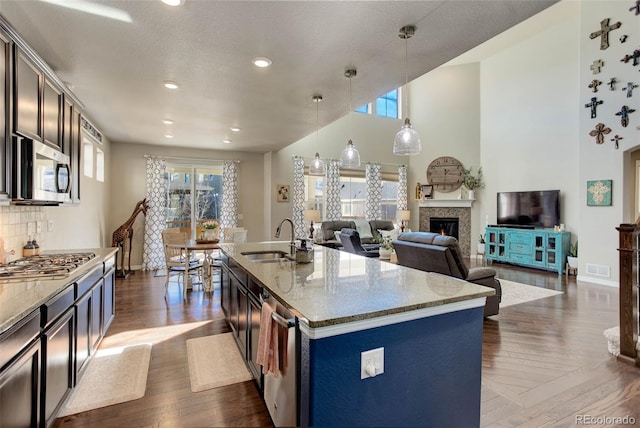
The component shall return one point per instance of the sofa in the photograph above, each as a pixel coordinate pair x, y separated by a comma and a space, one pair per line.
433, 252
331, 228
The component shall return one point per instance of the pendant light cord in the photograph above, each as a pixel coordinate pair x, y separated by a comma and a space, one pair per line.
406, 77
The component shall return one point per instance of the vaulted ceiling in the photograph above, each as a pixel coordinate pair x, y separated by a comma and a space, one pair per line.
116, 54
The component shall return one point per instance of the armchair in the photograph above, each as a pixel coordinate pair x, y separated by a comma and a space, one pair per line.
350, 239
433, 252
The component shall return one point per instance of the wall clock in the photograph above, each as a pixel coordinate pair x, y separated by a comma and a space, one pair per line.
445, 174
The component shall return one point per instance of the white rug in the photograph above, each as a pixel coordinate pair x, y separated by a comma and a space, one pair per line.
113, 376
215, 361
514, 293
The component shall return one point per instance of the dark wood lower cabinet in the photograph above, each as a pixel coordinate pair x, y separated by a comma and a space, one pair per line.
19, 389
83, 333
57, 365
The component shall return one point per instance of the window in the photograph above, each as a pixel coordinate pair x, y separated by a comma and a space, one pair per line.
190, 186
353, 195
87, 157
387, 105
99, 165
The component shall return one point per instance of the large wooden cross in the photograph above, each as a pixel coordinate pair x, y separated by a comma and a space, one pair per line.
593, 104
599, 132
624, 115
604, 32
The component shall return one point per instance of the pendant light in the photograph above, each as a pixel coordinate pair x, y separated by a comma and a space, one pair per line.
407, 140
317, 165
350, 156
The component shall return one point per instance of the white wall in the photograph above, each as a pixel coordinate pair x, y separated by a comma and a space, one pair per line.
129, 186
599, 239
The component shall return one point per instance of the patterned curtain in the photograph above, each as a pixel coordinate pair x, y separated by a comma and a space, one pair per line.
402, 188
229, 204
332, 191
373, 202
155, 220
297, 214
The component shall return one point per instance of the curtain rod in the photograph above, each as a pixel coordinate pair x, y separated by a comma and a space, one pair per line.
338, 160
191, 159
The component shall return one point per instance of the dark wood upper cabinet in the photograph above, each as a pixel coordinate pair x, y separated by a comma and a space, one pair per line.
67, 126
28, 81
5, 58
52, 114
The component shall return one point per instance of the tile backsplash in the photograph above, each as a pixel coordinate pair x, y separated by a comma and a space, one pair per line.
14, 226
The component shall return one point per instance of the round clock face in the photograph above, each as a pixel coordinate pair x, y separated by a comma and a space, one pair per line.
445, 174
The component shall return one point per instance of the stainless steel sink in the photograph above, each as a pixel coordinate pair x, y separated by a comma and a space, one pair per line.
265, 256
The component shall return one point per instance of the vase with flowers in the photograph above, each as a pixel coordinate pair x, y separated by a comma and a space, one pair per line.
386, 247
472, 182
210, 230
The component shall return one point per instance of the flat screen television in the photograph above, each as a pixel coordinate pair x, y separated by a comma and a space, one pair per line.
534, 209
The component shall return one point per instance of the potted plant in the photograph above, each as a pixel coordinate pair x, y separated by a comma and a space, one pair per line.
386, 247
481, 243
572, 257
210, 230
472, 182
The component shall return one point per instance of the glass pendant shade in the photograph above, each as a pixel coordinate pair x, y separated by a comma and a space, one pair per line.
317, 166
407, 140
350, 156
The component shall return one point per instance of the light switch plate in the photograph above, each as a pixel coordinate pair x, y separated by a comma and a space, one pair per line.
375, 356
50, 226
38, 227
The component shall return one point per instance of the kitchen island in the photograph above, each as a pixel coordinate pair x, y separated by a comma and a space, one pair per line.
429, 325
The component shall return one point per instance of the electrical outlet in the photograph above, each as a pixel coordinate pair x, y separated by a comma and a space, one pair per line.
50, 226
38, 227
371, 363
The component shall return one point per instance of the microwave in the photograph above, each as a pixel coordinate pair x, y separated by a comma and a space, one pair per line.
42, 175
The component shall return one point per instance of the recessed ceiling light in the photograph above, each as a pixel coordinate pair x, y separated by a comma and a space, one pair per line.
261, 62
168, 136
227, 141
167, 121
173, 2
234, 129
170, 84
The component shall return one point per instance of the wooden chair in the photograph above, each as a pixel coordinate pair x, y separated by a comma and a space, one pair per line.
175, 261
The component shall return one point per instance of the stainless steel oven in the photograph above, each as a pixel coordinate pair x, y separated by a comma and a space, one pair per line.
42, 175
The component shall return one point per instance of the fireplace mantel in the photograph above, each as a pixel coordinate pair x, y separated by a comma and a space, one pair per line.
446, 203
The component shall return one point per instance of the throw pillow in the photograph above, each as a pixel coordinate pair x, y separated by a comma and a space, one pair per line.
364, 228
337, 235
393, 234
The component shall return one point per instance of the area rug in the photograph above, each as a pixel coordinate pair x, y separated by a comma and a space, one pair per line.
113, 376
514, 293
215, 361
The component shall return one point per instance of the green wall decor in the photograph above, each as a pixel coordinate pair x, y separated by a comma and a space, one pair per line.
599, 193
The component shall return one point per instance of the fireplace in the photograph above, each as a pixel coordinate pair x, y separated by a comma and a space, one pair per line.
455, 209
444, 226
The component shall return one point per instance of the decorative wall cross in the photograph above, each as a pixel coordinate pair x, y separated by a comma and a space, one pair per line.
593, 104
596, 66
612, 82
598, 191
629, 89
599, 132
594, 85
634, 56
604, 32
623, 38
624, 115
635, 8
616, 139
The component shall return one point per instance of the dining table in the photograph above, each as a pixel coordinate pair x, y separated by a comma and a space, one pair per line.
199, 246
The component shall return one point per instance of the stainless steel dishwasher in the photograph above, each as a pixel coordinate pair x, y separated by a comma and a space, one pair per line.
280, 392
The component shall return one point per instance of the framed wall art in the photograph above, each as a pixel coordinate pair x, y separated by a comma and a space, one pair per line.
599, 193
283, 193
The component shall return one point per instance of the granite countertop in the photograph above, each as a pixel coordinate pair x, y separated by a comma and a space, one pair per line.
20, 297
340, 287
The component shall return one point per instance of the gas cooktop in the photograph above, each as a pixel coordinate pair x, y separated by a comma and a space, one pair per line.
44, 266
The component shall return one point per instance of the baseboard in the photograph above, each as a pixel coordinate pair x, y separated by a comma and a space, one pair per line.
593, 280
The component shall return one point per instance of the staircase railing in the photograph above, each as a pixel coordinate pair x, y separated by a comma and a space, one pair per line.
629, 271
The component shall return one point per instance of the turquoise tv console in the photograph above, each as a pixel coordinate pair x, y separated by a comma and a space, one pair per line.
537, 248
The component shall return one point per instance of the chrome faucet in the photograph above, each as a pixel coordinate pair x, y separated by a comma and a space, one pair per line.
292, 244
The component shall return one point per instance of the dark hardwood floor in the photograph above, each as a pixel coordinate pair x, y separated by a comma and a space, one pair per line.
545, 362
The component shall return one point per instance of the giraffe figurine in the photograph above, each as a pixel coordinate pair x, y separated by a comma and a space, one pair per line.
124, 232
